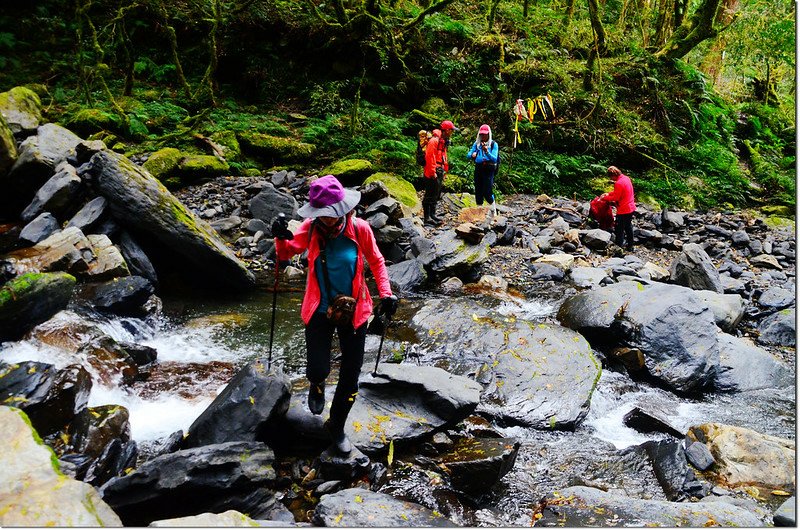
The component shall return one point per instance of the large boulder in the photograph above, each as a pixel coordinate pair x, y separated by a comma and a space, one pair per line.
270, 202
356, 507
90, 215
672, 327
50, 397
227, 519
524, 365
693, 268
676, 333
407, 275
138, 262
22, 110
212, 478
728, 309
248, 406
163, 163
8, 147
143, 205
744, 366
38, 157
31, 299
121, 296
58, 195
476, 464
745, 457
779, 329
39, 229
33, 491
580, 506
455, 257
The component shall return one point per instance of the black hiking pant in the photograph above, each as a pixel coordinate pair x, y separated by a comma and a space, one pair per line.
433, 190
484, 181
624, 226
319, 336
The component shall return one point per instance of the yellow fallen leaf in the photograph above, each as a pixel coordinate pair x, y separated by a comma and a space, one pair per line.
780, 493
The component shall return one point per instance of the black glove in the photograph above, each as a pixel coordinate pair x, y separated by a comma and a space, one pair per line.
387, 306
280, 228
440, 172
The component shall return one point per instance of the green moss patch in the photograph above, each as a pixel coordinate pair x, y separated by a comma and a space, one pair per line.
163, 162
271, 146
399, 188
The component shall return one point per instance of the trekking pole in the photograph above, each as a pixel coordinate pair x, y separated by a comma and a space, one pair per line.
274, 304
380, 346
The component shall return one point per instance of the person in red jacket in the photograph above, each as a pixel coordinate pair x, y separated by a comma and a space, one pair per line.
436, 166
338, 245
623, 196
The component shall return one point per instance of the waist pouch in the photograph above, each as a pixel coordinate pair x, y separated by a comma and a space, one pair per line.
341, 309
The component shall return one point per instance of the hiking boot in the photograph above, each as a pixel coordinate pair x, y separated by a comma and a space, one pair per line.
436, 220
339, 439
316, 398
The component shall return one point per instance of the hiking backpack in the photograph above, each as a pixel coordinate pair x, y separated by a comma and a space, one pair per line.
422, 142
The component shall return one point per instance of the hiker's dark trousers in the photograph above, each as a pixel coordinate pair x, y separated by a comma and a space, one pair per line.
319, 335
484, 181
624, 226
433, 189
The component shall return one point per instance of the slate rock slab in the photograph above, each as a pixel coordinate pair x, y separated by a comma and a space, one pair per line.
580, 506
250, 404
537, 375
233, 475
360, 507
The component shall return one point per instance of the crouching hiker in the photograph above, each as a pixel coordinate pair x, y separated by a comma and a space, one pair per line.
336, 296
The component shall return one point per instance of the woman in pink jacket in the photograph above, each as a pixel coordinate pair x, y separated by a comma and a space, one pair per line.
338, 244
623, 196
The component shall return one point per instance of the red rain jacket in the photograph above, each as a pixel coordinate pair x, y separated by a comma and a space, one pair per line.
600, 210
435, 155
622, 195
361, 233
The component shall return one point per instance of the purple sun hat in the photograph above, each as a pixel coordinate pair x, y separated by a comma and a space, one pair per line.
328, 198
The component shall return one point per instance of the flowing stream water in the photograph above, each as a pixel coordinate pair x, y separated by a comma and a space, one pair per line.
201, 343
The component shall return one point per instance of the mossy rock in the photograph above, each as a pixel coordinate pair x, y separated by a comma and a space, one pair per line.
88, 121
31, 299
21, 108
600, 185
230, 144
435, 107
399, 188
686, 202
778, 211
8, 148
350, 172
163, 162
251, 172
424, 120
648, 200
194, 167
275, 148
775, 221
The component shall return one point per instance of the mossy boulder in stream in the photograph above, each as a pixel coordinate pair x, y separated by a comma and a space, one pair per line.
162, 163
143, 206
534, 374
31, 299
22, 110
195, 167
33, 491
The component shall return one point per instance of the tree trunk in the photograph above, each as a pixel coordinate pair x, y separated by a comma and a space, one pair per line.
173, 46
597, 27
525, 8
664, 25
698, 28
566, 21
492, 14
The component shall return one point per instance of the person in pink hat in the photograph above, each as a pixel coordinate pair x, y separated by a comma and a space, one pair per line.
336, 296
436, 165
484, 153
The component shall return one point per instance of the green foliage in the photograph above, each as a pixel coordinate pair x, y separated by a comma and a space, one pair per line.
327, 99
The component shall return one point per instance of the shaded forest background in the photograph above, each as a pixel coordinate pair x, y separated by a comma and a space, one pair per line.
695, 99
